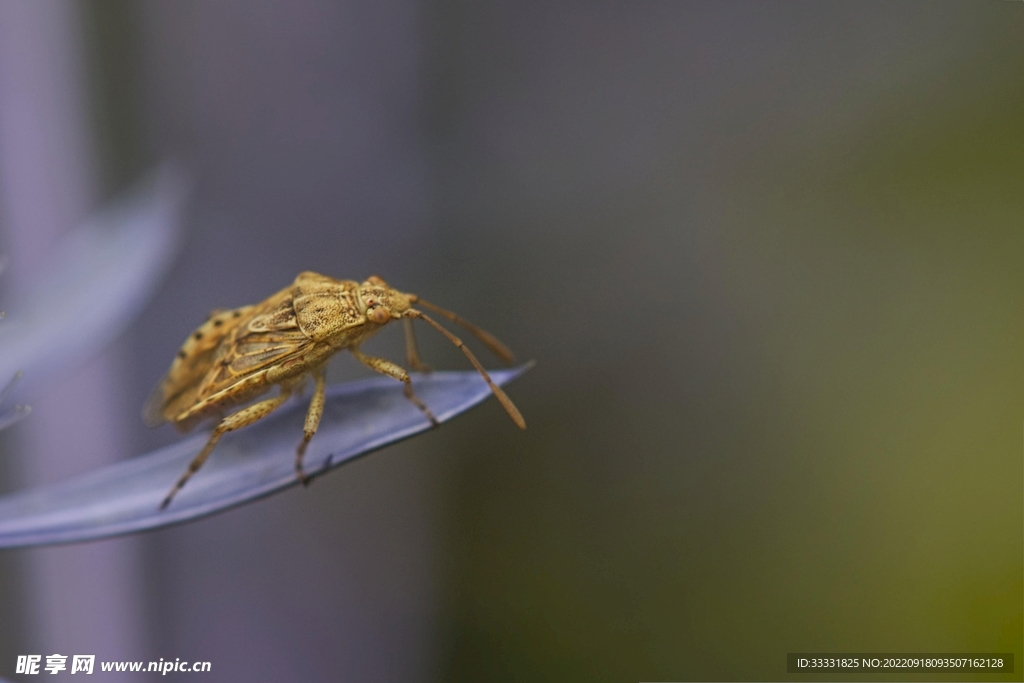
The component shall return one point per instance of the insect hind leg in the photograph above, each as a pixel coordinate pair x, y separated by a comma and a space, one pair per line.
242, 418
386, 367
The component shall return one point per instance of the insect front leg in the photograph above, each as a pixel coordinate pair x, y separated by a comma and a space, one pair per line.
386, 367
313, 415
412, 352
242, 418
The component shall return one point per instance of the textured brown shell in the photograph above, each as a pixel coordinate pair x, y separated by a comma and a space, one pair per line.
239, 354
223, 362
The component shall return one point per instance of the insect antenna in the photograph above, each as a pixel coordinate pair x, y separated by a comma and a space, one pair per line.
488, 339
505, 401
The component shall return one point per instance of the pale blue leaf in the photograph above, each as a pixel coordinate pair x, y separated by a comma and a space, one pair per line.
358, 418
10, 415
99, 277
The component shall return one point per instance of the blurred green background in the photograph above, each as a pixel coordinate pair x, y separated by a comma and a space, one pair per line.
766, 255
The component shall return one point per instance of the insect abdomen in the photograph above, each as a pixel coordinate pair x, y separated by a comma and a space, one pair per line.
182, 383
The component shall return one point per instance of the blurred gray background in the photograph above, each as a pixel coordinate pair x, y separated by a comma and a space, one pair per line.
766, 255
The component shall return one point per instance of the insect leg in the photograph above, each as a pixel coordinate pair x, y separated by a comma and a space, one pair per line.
386, 367
412, 352
316, 410
505, 401
242, 418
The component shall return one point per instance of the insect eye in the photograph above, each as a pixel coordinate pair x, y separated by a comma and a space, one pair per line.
378, 315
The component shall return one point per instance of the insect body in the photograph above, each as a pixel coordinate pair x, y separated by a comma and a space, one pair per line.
238, 355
